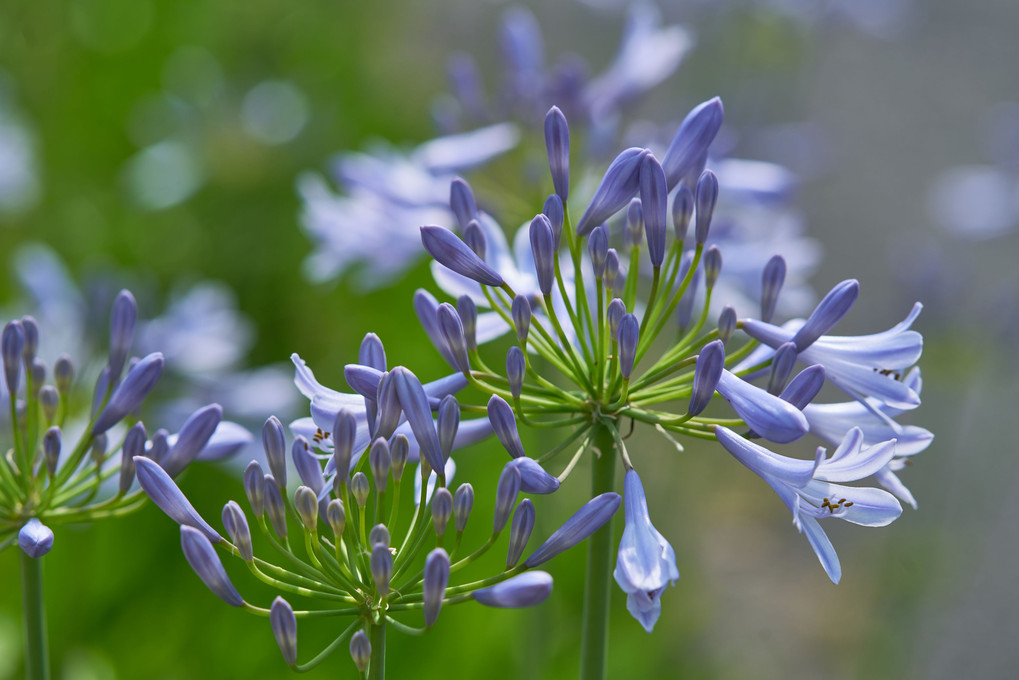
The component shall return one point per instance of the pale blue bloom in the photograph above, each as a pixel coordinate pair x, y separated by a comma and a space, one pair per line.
646, 563
807, 490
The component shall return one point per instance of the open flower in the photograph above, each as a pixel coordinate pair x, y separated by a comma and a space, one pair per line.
646, 562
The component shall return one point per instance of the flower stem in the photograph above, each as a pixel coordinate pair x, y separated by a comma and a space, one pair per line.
37, 665
377, 666
594, 650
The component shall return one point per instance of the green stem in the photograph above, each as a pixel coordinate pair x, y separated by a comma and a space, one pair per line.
594, 650
377, 667
37, 665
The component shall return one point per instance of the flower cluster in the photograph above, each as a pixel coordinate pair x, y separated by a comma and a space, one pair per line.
357, 555
50, 478
580, 310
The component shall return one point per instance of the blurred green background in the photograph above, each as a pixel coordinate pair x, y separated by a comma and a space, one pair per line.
932, 596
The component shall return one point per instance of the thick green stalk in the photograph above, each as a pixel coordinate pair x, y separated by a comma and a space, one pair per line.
37, 665
594, 650
377, 666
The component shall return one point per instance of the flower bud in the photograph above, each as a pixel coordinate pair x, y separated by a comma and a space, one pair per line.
389, 404
414, 403
360, 488
516, 368
63, 374
35, 538
168, 497
308, 467
461, 201
193, 436
726, 324
804, 387
543, 250
399, 452
236, 525
598, 249
50, 399
615, 312
712, 266
274, 507
768, 415
452, 331
595, 513
520, 531
524, 590
771, 285
468, 313
306, 505
654, 199
447, 423
455, 255
553, 210
122, 323
463, 503
533, 478
38, 372
372, 352
337, 517
692, 140
474, 237
705, 199
521, 313
635, 223
159, 446
129, 394
442, 509
344, 434
254, 488
30, 327
557, 144
379, 461
611, 269
51, 442
381, 568
12, 343
134, 445
710, 363
505, 496
275, 444
360, 650
203, 559
828, 312
500, 414
436, 578
628, 335
617, 187
682, 212
379, 535
782, 364
284, 629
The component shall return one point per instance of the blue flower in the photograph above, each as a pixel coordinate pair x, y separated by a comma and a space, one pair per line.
646, 562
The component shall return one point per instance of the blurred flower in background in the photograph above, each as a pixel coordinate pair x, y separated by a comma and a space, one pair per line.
19, 187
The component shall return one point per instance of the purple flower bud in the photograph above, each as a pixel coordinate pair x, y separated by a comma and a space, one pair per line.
308, 467
442, 510
159, 446
49, 398
274, 507
771, 286
682, 212
203, 559
781, 367
129, 394
500, 414
453, 334
254, 488
194, 435
611, 269
463, 503
516, 367
598, 249
306, 505
134, 445
122, 323
12, 343
726, 324
618, 186
360, 650
284, 629
595, 513
363, 379
455, 255
766, 414
543, 249
399, 452
705, 199
51, 443
520, 531
525, 590
461, 201
468, 313
557, 144
378, 460
628, 334
336, 516
505, 496
804, 387
474, 237
359, 489
710, 363
100, 391
30, 327
38, 372
533, 478
447, 423
414, 402
436, 578
379, 535
635, 222
553, 210
389, 404
381, 568
827, 313
169, 498
236, 525
521, 313
344, 433
35, 538
275, 444
372, 353
654, 198
615, 313
712, 266
692, 140
63, 373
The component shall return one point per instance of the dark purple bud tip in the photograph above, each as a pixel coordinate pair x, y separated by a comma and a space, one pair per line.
461, 201
505, 496
705, 199
804, 387
453, 334
654, 198
781, 367
203, 559
516, 368
595, 513
533, 478
628, 335
254, 488
414, 402
525, 590
275, 444
500, 414
615, 312
520, 531
122, 323
447, 423
682, 212
284, 629
828, 312
463, 503
772, 280
620, 183
543, 250
236, 525
557, 144
442, 510
710, 363
692, 140
129, 394
712, 266
598, 249
35, 538
452, 253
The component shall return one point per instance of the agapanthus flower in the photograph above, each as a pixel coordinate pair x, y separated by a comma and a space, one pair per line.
359, 561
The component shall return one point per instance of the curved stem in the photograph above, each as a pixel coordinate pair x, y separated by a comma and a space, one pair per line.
594, 649
37, 665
